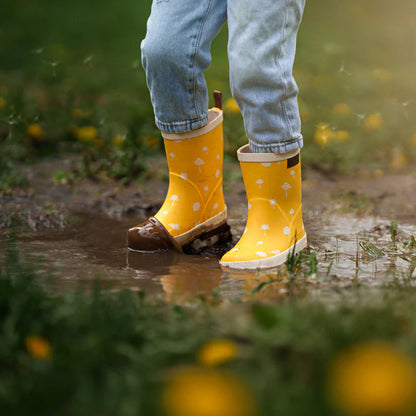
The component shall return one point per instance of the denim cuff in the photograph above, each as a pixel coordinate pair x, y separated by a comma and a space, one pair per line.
277, 147
182, 126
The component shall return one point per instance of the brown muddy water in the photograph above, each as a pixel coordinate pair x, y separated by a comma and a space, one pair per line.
96, 248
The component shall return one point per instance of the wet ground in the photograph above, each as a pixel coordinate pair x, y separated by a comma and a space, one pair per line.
79, 232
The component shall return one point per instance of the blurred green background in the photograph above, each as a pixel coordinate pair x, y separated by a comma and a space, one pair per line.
71, 81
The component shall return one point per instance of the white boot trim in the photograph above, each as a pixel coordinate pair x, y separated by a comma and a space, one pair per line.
215, 119
208, 225
246, 156
270, 262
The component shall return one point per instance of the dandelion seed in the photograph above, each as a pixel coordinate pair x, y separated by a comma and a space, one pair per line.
172, 155
196, 206
205, 149
273, 203
286, 230
174, 227
261, 253
291, 212
249, 206
259, 243
292, 172
275, 252
184, 176
217, 173
215, 206
266, 165
259, 182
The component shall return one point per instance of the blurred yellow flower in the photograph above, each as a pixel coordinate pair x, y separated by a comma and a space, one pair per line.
204, 392
2, 103
217, 352
398, 158
231, 106
323, 134
38, 347
341, 109
151, 141
79, 113
35, 131
118, 141
378, 173
373, 122
413, 139
382, 75
342, 135
87, 133
373, 379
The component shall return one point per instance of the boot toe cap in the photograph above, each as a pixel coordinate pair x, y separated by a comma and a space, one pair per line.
151, 236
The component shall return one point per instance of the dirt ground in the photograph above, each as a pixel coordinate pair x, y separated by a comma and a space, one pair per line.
79, 230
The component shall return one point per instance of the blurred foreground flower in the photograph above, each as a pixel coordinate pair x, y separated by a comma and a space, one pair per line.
87, 134
2, 103
38, 347
231, 106
342, 135
373, 379
341, 109
35, 131
204, 392
217, 352
373, 122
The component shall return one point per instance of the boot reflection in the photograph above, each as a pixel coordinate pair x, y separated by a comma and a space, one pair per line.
184, 282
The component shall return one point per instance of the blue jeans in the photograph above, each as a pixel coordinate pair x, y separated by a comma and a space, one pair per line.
261, 52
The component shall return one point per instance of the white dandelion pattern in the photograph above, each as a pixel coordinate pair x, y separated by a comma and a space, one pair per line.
205, 149
286, 187
215, 206
273, 203
291, 212
265, 228
261, 253
286, 230
217, 173
196, 206
198, 162
260, 182
184, 176
292, 172
266, 165
172, 155
174, 198
174, 227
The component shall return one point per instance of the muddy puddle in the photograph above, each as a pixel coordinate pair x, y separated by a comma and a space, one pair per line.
96, 248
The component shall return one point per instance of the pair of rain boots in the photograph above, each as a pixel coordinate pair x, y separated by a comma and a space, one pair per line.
194, 213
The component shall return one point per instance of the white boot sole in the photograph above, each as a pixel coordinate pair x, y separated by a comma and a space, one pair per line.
268, 263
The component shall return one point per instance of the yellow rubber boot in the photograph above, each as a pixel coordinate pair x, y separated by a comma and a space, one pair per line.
274, 222
194, 204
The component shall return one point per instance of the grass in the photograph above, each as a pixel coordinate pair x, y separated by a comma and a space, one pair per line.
103, 352
69, 67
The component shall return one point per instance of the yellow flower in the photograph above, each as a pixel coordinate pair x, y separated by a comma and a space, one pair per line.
341, 109
231, 106
2, 103
203, 392
413, 139
373, 379
79, 113
378, 173
35, 131
87, 133
398, 158
373, 122
38, 347
217, 352
342, 135
118, 140
323, 134
151, 141
382, 75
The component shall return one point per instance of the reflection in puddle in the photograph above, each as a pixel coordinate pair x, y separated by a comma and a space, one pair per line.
97, 248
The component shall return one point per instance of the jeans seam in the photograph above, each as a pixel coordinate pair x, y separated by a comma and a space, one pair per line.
197, 43
285, 96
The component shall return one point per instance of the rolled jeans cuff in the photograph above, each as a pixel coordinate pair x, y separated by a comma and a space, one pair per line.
284, 147
182, 126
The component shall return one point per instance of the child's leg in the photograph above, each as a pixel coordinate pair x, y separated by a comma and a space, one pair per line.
261, 48
175, 53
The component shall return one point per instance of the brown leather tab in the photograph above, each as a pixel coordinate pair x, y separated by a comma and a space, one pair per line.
151, 236
218, 99
293, 161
